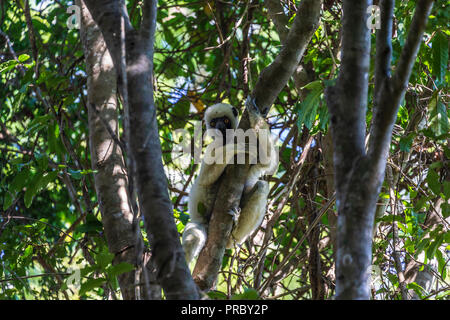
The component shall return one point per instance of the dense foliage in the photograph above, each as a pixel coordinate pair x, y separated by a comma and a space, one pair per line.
210, 51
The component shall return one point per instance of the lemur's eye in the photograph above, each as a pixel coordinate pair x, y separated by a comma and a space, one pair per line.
227, 121
212, 123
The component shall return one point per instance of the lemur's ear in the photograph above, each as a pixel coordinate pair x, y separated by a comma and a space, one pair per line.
235, 112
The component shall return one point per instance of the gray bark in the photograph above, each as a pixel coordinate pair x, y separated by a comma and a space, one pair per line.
278, 17
111, 175
144, 145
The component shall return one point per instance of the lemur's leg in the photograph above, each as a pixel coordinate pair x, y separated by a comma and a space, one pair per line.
252, 213
194, 239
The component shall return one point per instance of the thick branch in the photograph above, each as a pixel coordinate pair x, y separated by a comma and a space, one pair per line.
412, 45
355, 191
384, 45
107, 14
148, 25
106, 155
145, 147
392, 91
270, 83
273, 78
359, 176
278, 17
347, 101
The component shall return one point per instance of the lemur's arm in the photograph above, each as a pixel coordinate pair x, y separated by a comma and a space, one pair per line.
212, 168
268, 155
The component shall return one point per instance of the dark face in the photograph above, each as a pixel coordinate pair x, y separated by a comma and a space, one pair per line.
221, 124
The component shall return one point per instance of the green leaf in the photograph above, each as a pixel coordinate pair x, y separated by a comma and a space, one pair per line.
42, 161
447, 237
91, 284
323, 116
431, 250
433, 182
19, 100
103, 259
180, 113
76, 174
417, 288
420, 204
307, 109
442, 117
249, 294
7, 201
391, 218
439, 122
45, 180
445, 207
406, 142
54, 141
20, 180
440, 56
442, 262
447, 189
314, 86
51, 137
421, 246
37, 183
91, 225
8, 65
43, 120
27, 252
120, 268
32, 189
217, 295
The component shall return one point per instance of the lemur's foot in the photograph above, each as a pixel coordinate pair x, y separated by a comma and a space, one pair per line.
234, 213
251, 103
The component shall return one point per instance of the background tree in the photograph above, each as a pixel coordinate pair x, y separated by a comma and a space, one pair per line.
53, 218
360, 173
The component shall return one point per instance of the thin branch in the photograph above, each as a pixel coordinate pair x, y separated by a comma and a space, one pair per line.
412, 45
278, 17
384, 45
291, 253
271, 81
48, 225
36, 276
273, 78
392, 91
148, 25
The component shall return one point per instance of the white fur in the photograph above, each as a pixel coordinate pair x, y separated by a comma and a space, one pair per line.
194, 238
219, 110
205, 189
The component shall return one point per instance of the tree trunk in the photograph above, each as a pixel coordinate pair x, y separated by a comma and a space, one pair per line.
132, 53
359, 175
111, 182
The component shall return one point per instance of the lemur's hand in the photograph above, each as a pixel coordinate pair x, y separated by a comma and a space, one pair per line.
251, 105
